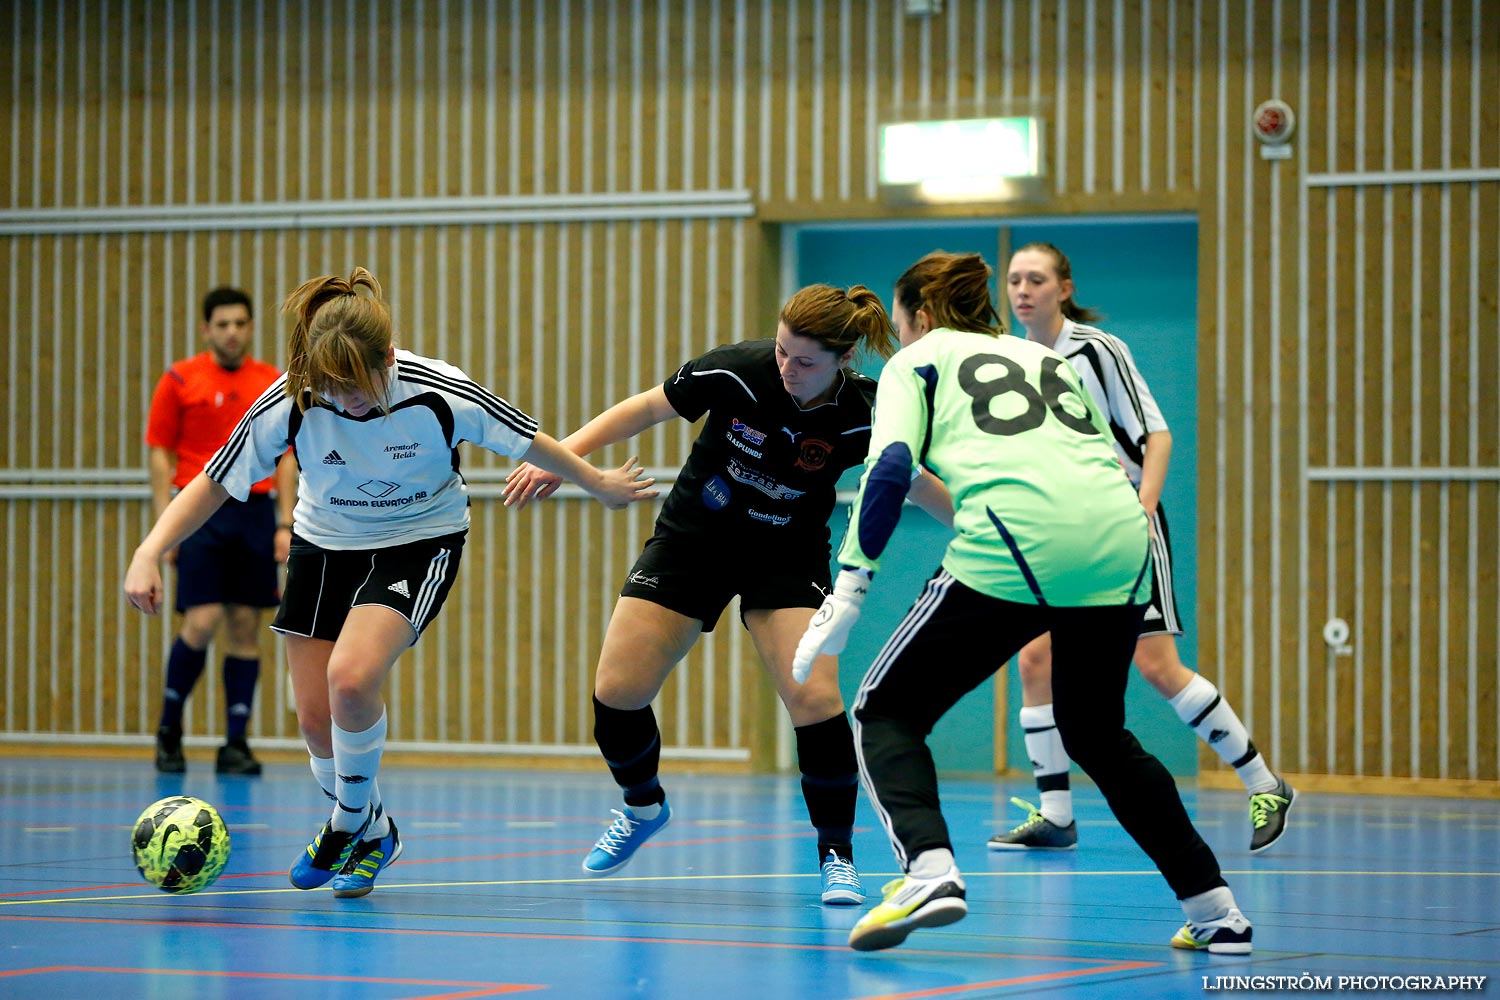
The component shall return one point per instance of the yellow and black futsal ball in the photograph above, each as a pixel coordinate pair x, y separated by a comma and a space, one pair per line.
180, 844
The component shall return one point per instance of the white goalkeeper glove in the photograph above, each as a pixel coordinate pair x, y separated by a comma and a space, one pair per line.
829, 629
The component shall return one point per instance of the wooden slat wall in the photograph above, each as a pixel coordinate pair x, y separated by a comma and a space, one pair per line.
1343, 325
510, 659
1354, 327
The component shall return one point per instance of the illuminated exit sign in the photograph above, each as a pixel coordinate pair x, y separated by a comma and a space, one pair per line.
964, 159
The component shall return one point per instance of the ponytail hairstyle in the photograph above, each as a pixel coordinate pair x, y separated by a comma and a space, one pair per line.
1064, 268
952, 288
839, 319
340, 339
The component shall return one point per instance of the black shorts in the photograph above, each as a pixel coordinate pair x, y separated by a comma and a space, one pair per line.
698, 578
1161, 611
323, 585
232, 558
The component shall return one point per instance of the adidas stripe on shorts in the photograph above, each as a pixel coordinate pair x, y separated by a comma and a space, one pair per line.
1161, 611
322, 585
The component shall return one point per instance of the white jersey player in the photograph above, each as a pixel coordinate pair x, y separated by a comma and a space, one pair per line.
1039, 283
378, 531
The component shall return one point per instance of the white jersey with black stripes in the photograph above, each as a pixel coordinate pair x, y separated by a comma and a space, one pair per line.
383, 479
1108, 371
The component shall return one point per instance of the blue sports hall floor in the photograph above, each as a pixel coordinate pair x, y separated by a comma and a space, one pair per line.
488, 898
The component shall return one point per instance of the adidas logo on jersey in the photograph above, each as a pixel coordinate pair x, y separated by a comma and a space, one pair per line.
400, 587
334, 458
1151, 612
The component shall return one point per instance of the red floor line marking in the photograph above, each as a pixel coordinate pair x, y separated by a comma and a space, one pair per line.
418, 818
128, 885
437, 861
478, 989
282, 871
1043, 977
517, 935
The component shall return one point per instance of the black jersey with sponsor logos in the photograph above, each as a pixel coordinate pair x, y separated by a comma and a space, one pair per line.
762, 468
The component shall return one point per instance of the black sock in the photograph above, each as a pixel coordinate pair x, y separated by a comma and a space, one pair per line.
631, 745
184, 667
830, 782
240, 676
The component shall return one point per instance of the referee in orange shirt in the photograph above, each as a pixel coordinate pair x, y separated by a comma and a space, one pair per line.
226, 571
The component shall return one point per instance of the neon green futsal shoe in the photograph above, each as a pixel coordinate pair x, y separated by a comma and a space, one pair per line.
1228, 935
910, 903
1268, 814
1038, 833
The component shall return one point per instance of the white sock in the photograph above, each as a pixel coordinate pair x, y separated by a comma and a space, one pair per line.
1205, 711
1049, 763
645, 812
933, 863
1211, 905
379, 826
1057, 807
322, 769
356, 758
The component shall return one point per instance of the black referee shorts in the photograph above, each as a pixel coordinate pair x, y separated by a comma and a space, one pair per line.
698, 577
232, 558
323, 585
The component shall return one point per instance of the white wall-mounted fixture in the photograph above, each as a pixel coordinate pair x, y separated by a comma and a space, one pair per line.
961, 159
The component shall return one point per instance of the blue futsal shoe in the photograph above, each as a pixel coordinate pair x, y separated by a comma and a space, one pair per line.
841, 884
367, 859
325, 856
620, 842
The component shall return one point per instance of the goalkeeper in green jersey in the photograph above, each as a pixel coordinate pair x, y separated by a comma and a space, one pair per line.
1050, 537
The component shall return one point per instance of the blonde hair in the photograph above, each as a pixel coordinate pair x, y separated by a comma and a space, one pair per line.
952, 288
839, 319
340, 339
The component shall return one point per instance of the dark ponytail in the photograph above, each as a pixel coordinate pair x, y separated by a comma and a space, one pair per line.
952, 288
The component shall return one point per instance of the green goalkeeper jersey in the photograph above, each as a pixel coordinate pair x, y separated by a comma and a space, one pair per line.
1044, 514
